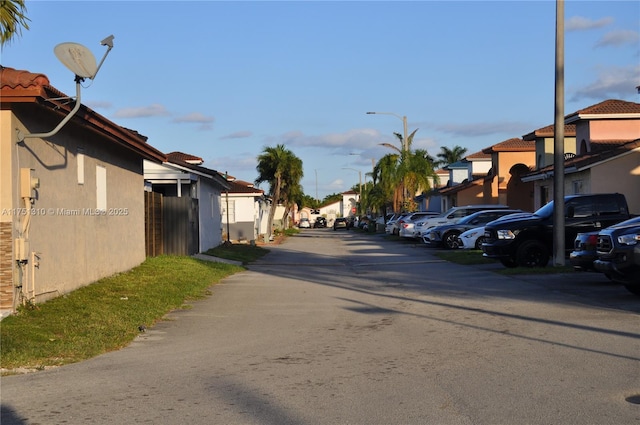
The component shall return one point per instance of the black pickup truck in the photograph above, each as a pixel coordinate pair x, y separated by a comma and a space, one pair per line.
618, 249
527, 241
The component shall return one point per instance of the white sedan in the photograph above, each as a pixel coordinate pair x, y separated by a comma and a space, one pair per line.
472, 239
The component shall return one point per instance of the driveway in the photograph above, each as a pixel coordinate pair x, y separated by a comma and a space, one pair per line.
345, 328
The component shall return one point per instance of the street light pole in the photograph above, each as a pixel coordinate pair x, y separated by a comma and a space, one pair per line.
405, 142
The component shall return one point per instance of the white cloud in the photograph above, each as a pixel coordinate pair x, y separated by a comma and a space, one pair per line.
484, 128
353, 139
195, 117
154, 110
99, 104
612, 82
619, 38
237, 135
580, 23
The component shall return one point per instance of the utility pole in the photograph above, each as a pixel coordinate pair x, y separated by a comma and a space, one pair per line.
558, 143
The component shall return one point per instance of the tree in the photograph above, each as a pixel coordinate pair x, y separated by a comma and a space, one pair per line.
449, 156
398, 177
12, 19
283, 171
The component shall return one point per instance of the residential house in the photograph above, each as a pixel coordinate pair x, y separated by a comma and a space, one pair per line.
245, 212
510, 160
191, 203
607, 155
466, 185
71, 198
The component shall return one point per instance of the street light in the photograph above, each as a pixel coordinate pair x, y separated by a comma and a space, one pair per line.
405, 144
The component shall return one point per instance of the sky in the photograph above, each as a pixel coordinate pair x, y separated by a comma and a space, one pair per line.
223, 80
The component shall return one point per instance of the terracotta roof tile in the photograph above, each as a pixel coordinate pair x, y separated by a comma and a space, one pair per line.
512, 145
611, 106
240, 186
549, 131
185, 157
13, 78
478, 155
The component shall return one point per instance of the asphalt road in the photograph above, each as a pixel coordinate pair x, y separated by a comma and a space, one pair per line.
344, 328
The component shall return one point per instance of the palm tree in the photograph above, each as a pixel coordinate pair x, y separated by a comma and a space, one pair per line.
12, 19
449, 156
283, 171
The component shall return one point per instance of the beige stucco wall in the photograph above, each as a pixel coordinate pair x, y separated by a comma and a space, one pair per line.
621, 175
74, 246
545, 148
614, 129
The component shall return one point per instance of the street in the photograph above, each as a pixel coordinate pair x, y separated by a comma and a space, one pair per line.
336, 327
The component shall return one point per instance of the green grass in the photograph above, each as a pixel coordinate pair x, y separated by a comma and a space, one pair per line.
467, 257
244, 253
105, 315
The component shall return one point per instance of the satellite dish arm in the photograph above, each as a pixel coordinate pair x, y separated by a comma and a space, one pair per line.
66, 119
109, 43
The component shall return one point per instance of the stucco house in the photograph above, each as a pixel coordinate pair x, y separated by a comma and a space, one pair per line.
72, 202
607, 154
191, 202
510, 160
245, 210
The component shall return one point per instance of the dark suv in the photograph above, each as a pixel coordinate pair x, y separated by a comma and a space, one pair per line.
528, 240
618, 249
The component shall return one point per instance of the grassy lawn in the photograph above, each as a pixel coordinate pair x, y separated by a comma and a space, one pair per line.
107, 314
244, 253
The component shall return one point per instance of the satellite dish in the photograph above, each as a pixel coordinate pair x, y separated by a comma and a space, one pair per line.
77, 58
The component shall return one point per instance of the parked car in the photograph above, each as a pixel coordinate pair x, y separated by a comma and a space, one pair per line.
473, 238
341, 223
422, 227
618, 251
304, 223
527, 241
392, 226
406, 226
447, 234
320, 222
584, 251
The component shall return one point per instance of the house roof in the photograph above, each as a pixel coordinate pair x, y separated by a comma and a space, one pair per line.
185, 157
600, 151
207, 172
464, 185
549, 131
241, 186
607, 107
457, 165
478, 155
24, 88
512, 145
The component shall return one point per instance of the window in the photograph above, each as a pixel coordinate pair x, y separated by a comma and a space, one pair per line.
101, 188
580, 208
577, 187
231, 205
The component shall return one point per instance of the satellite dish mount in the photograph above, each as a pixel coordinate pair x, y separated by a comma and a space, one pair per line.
79, 60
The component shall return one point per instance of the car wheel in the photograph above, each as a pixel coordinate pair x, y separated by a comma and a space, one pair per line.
479, 242
508, 262
451, 240
634, 289
532, 254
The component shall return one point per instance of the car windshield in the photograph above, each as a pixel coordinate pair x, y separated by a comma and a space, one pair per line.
546, 211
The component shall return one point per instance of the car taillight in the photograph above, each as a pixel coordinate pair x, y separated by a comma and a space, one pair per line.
592, 240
